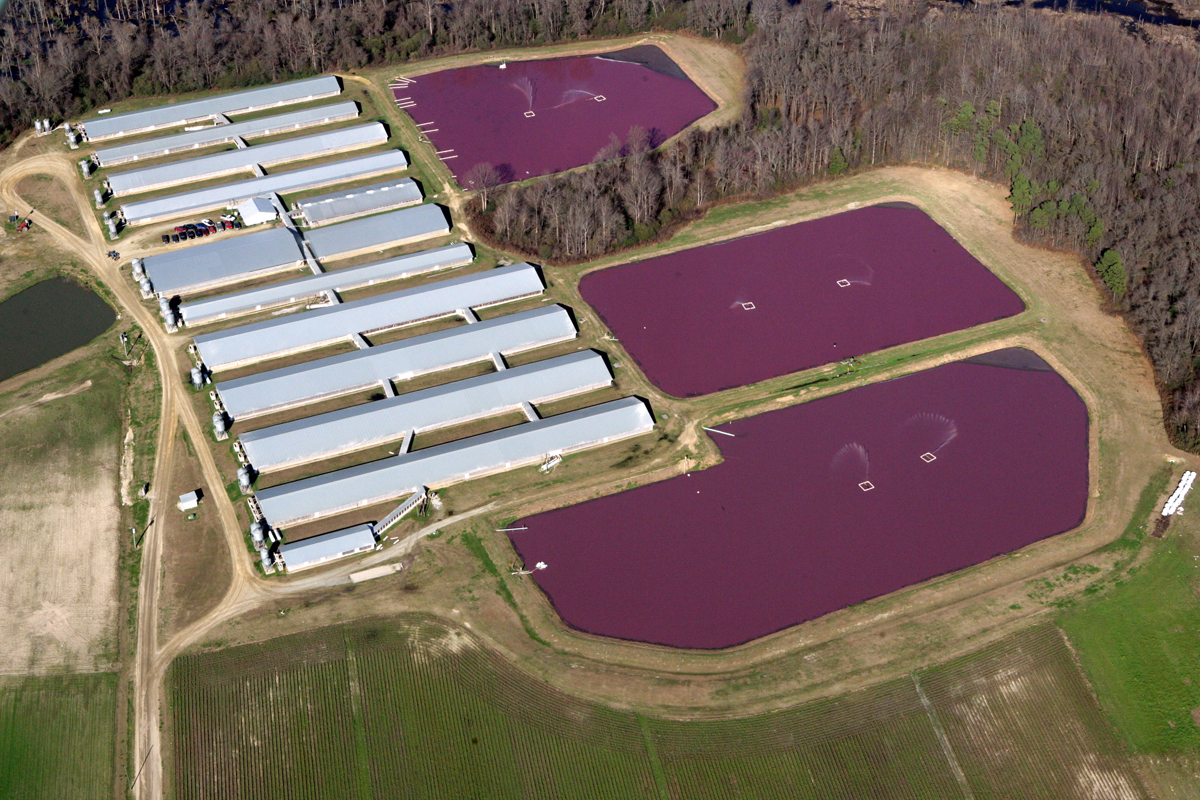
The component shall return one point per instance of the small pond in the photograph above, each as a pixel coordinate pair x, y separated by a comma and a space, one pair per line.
47, 320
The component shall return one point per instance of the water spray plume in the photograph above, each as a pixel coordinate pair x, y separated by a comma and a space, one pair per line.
525, 87
854, 456
933, 431
853, 270
572, 95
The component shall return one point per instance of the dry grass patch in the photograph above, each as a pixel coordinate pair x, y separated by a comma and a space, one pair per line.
50, 197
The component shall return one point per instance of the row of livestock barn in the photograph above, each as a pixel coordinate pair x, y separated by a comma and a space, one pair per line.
336, 300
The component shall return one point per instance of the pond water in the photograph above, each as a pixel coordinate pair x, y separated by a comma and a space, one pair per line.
47, 320
823, 505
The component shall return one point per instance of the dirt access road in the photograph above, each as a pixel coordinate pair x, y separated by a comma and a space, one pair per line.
149, 666
246, 591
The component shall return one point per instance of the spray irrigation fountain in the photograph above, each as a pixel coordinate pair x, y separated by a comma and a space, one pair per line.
575, 95
931, 432
525, 86
854, 458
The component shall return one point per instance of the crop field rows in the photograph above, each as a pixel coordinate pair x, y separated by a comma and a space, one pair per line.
73, 757
1004, 703
411, 708
876, 743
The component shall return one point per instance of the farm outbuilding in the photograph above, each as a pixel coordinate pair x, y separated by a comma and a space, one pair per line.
213, 135
228, 195
442, 465
279, 337
243, 160
317, 550
222, 262
359, 427
257, 211
349, 203
177, 114
335, 376
211, 309
188, 501
370, 234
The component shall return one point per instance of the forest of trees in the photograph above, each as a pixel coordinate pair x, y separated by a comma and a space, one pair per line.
1094, 126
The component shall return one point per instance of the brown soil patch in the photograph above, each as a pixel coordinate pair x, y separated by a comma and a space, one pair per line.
46, 398
50, 197
196, 562
1160, 527
58, 530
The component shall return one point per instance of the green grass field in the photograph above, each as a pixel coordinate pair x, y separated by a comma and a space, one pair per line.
410, 708
57, 736
1140, 646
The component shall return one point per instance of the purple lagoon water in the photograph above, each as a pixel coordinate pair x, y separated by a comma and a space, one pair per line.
824, 505
817, 292
537, 117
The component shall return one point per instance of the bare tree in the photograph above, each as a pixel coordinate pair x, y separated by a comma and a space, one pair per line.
482, 177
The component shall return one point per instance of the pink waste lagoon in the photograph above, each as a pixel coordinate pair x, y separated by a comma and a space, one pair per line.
824, 505
730, 314
530, 118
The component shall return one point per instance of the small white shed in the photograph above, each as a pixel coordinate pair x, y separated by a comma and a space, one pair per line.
189, 501
257, 211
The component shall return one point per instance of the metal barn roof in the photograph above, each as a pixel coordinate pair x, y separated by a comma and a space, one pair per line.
257, 211
281, 294
175, 114
510, 448
277, 337
221, 134
213, 263
230, 194
299, 384
378, 232
359, 427
327, 547
148, 179
360, 200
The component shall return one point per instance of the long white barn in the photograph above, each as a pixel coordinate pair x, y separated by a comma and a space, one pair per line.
356, 428
228, 195
213, 135
511, 448
324, 378
230, 162
175, 115
274, 338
